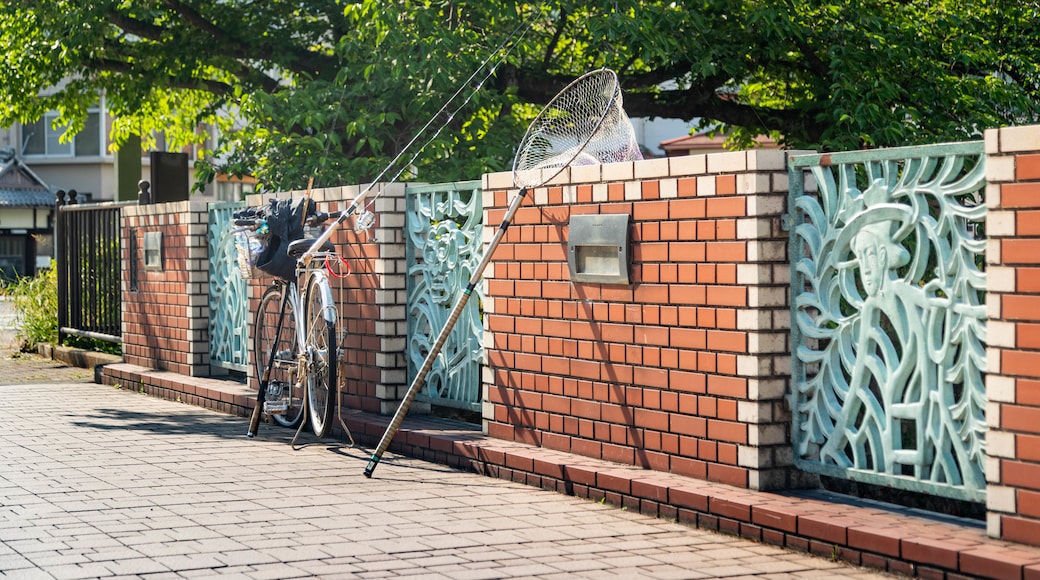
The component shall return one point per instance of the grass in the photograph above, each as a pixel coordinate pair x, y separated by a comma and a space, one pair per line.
36, 302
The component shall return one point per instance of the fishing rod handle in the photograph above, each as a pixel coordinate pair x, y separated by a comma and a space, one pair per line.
417, 383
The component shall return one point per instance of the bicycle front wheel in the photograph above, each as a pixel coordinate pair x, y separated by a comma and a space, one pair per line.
267, 338
321, 354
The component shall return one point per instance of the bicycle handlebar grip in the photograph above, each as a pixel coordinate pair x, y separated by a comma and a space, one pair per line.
318, 218
247, 222
322, 217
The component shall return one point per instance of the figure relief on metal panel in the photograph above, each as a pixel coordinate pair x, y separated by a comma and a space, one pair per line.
889, 304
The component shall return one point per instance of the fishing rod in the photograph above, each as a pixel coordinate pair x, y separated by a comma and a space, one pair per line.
366, 219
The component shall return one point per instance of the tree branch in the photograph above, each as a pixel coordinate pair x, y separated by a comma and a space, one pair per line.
550, 48
135, 27
701, 100
159, 36
816, 64
121, 67
196, 20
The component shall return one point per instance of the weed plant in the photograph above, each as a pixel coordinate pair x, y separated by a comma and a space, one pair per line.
36, 302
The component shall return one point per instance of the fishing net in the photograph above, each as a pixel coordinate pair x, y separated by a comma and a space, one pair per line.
583, 124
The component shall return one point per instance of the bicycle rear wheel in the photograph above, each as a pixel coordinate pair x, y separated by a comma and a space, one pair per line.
282, 383
321, 354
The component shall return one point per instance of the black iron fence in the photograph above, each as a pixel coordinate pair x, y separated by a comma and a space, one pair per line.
87, 255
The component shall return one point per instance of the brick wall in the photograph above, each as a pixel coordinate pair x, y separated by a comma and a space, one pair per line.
165, 319
684, 370
371, 300
1013, 333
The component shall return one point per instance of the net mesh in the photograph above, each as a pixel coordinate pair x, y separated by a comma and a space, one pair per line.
584, 124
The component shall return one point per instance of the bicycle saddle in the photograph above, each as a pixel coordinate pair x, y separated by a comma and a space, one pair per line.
298, 247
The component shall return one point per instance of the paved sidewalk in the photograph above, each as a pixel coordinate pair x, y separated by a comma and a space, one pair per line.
101, 482
26, 368
901, 540
8, 324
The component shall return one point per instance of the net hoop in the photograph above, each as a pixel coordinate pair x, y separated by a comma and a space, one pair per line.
563, 129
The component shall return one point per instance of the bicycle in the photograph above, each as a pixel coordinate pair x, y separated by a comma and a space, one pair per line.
294, 334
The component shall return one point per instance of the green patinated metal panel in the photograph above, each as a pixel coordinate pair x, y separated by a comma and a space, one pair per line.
888, 317
444, 226
228, 293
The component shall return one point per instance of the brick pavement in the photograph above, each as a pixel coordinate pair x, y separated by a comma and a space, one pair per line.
100, 481
885, 537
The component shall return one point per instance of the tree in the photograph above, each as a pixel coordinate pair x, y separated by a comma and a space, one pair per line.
334, 89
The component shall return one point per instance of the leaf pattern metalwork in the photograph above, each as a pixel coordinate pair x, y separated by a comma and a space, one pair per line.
444, 225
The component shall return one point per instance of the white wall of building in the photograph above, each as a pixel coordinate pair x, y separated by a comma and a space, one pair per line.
650, 133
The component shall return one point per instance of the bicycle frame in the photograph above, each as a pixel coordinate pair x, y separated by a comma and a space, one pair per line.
309, 300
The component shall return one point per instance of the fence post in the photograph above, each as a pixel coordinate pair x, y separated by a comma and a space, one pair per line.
61, 262
144, 196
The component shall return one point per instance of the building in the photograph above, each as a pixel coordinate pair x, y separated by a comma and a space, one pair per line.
26, 218
702, 142
87, 163
651, 132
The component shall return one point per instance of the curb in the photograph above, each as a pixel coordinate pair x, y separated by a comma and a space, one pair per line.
78, 357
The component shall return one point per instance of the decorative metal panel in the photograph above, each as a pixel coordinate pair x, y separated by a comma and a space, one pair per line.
228, 293
889, 318
444, 243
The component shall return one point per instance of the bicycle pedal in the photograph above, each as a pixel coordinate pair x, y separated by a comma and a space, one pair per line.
276, 407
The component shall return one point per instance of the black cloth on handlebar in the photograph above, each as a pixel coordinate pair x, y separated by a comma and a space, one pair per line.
285, 224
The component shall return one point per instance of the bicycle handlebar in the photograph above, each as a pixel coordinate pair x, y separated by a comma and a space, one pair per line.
314, 220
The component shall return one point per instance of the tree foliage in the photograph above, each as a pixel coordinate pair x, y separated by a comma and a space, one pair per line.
334, 89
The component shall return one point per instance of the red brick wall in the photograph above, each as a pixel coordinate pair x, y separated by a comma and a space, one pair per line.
165, 321
1013, 333
684, 369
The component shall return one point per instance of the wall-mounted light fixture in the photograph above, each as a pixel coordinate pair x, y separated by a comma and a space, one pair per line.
597, 248
153, 251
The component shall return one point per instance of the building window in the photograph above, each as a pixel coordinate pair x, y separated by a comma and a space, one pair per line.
13, 258
42, 139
